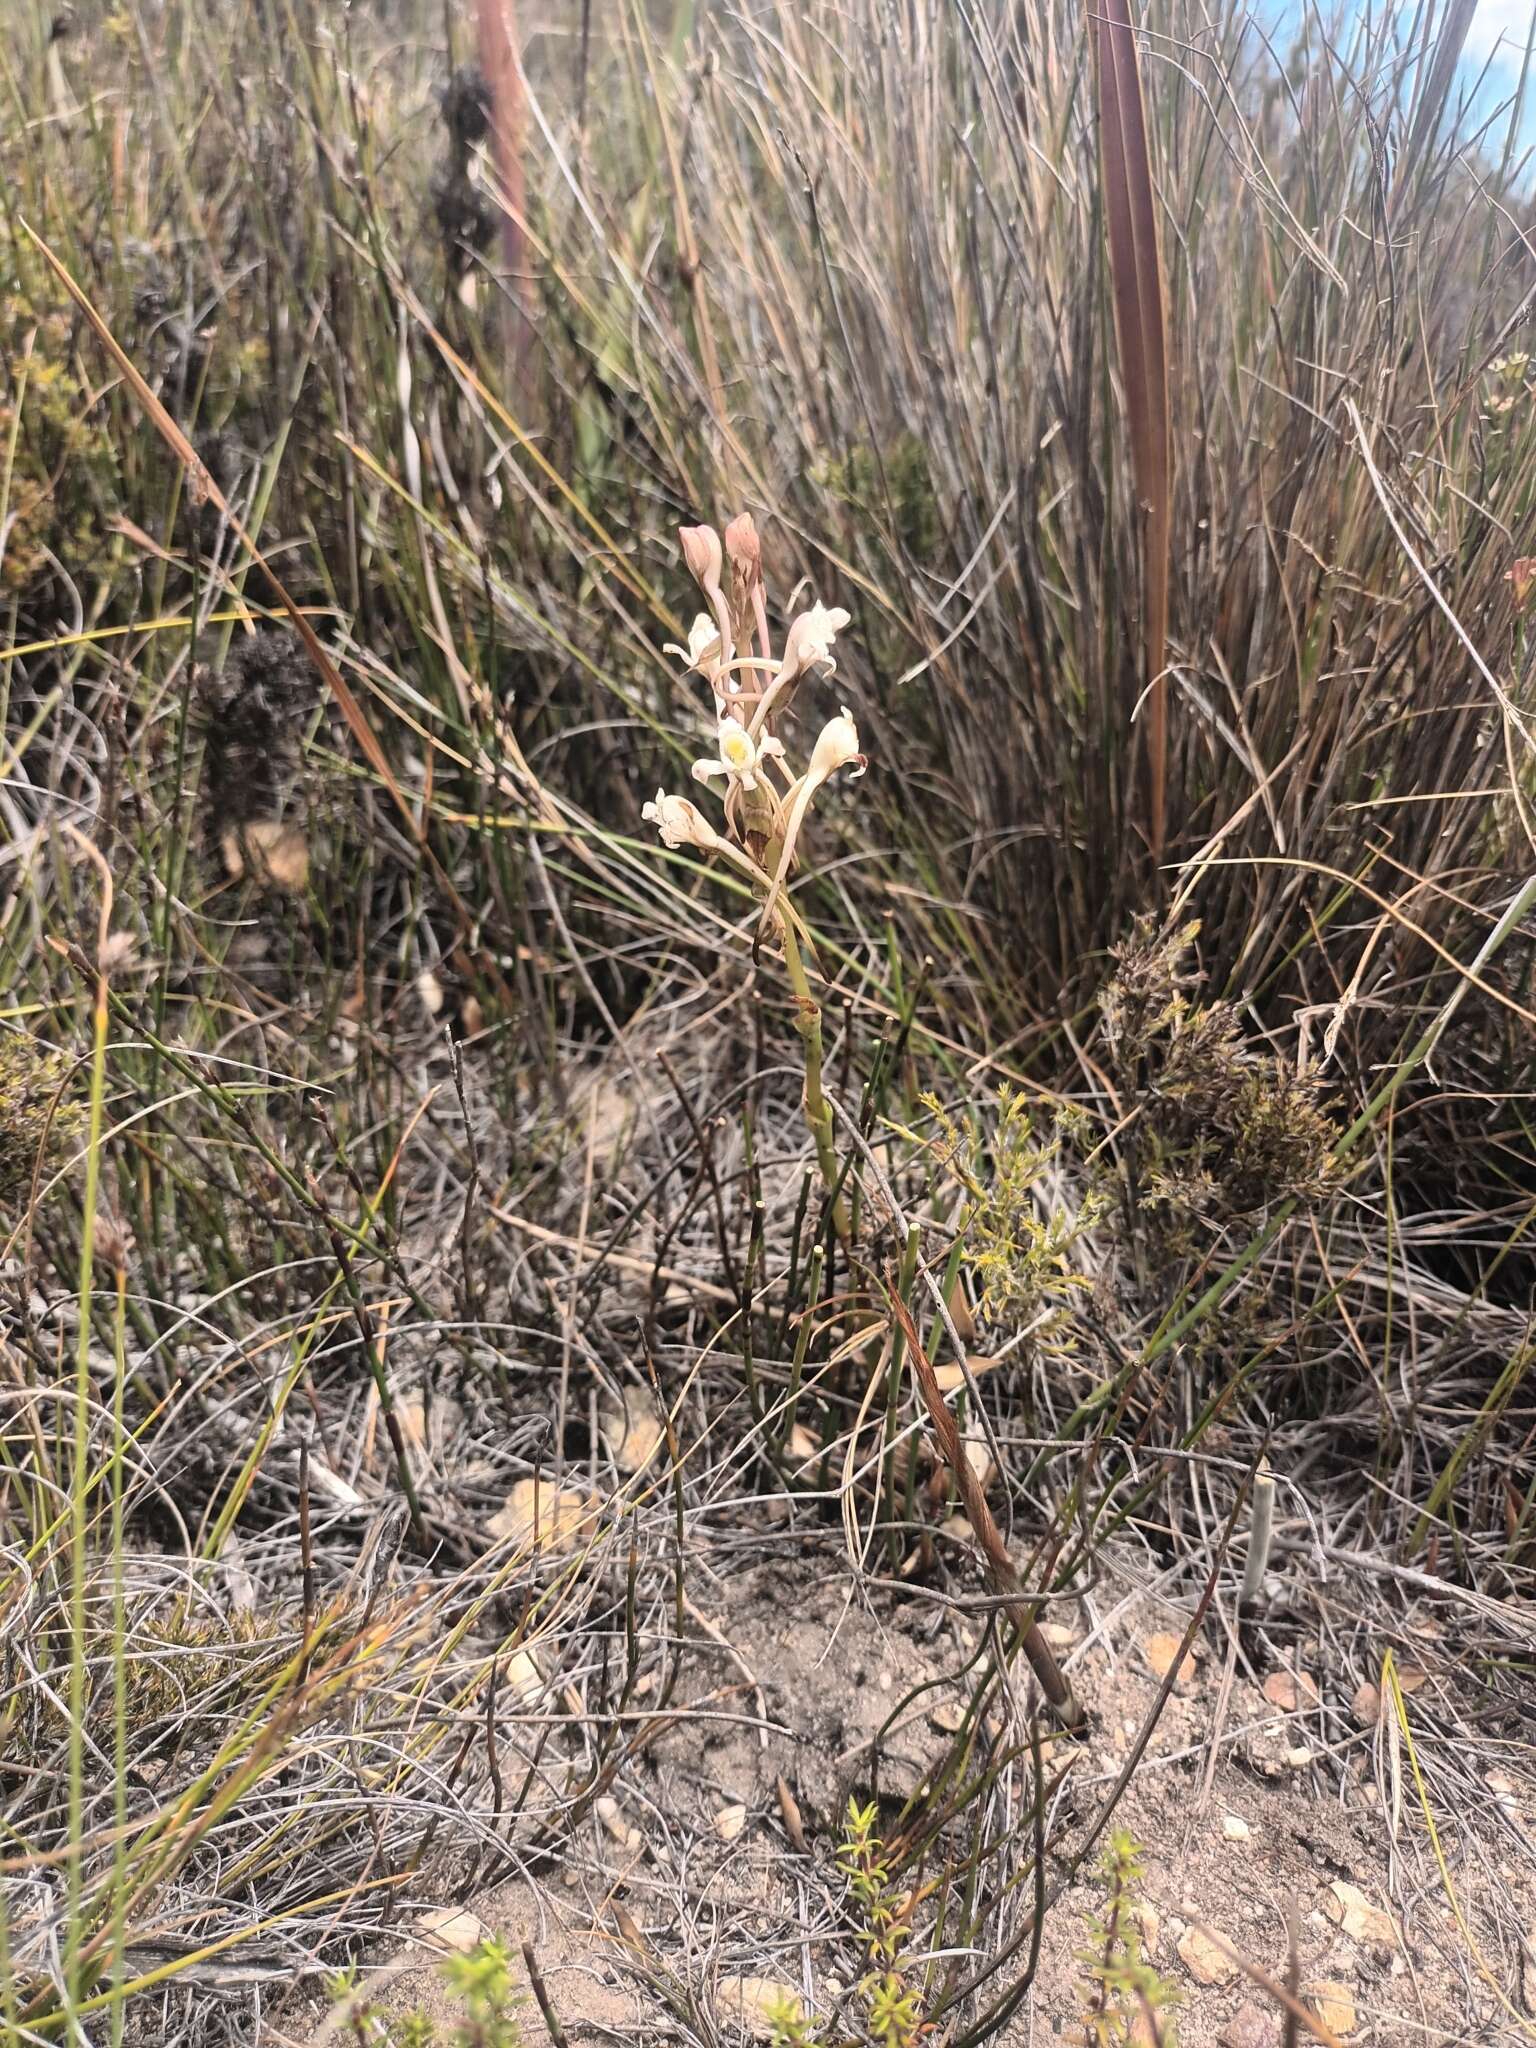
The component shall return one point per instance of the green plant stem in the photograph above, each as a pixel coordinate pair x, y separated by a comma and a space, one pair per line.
895, 1383
119, 1663
818, 1112
79, 1496
802, 1344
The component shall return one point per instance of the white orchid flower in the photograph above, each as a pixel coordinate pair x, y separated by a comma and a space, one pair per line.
807, 643
681, 823
740, 758
811, 634
837, 746
703, 649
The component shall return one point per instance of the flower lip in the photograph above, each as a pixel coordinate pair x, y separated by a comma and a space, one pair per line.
738, 756
736, 748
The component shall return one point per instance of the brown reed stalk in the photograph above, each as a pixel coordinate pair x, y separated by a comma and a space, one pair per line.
1141, 327
499, 60
1019, 1607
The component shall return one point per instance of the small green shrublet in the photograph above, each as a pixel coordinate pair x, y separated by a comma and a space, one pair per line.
62, 475
39, 1122
789, 2027
1216, 1130
1019, 1254
1126, 2004
890, 2007
481, 1980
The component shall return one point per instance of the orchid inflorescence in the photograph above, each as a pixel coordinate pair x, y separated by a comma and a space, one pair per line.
765, 802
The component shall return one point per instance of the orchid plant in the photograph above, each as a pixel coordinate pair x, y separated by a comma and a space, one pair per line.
765, 803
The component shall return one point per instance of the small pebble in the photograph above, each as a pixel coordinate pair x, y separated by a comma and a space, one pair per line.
1234, 1828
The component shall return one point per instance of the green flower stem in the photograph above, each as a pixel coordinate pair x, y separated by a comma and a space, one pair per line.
818, 1111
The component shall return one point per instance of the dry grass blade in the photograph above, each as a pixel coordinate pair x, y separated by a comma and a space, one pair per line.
1439, 77
1136, 283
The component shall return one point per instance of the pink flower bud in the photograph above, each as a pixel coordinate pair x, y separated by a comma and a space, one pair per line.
703, 554
743, 545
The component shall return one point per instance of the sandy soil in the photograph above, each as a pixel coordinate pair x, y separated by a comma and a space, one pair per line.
1272, 1795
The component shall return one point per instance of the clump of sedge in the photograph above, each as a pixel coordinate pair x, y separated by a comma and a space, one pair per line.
38, 1121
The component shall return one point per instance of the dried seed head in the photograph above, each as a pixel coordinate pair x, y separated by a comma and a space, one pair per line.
466, 106
256, 707
118, 952
114, 1240
466, 216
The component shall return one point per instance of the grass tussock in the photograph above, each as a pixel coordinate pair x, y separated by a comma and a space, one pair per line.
1140, 1053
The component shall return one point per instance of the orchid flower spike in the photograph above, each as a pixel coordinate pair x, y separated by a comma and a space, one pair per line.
837, 746
740, 757
807, 642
